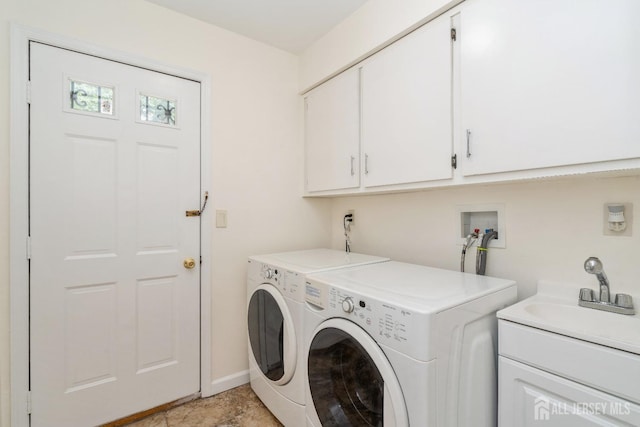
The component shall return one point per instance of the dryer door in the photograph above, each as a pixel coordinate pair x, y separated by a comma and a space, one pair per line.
271, 334
351, 380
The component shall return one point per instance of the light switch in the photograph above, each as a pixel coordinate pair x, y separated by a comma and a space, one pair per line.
221, 218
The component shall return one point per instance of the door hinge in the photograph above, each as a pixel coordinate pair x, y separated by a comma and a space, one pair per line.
29, 92
29, 402
28, 247
454, 34
454, 161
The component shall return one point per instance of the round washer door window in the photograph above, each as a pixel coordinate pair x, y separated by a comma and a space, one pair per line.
271, 334
350, 379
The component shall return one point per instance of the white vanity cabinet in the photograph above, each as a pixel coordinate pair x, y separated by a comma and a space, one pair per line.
548, 83
558, 381
332, 134
406, 109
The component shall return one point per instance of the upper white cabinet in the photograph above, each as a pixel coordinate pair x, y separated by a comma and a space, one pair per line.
528, 89
332, 134
406, 109
548, 83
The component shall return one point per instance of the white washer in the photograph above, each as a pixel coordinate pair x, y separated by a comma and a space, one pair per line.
275, 307
398, 344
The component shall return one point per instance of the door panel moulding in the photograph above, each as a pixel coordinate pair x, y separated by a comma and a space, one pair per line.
19, 203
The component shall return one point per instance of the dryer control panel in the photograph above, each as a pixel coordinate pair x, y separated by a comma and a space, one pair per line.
289, 283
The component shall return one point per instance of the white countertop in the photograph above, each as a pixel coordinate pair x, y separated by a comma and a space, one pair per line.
555, 309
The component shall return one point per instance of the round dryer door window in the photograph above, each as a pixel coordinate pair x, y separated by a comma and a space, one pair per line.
271, 335
351, 380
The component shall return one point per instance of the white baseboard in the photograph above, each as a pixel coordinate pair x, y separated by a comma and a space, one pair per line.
230, 381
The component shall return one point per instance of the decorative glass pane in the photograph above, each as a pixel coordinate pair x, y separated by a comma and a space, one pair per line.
157, 110
91, 98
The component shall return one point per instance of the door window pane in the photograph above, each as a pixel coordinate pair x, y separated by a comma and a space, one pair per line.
91, 98
157, 110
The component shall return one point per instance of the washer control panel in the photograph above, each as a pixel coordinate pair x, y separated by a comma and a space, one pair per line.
389, 324
316, 295
347, 305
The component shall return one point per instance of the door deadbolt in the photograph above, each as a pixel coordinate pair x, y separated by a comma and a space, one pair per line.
189, 263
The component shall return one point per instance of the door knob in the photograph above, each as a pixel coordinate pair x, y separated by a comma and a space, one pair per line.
189, 263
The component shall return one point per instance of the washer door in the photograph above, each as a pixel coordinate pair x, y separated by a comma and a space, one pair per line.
271, 334
351, 380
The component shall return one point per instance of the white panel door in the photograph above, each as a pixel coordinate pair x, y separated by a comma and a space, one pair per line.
406, 109
332, 134
548, 83
114, 313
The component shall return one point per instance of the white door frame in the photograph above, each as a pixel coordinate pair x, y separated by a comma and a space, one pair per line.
19, 203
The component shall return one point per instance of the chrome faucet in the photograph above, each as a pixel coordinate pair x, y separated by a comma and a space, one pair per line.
593, 265
622, 303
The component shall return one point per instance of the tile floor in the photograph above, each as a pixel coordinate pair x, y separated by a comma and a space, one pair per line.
238, 407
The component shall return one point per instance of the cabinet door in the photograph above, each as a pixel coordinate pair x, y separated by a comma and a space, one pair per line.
532, 397
332, 134
406, 109
549, 83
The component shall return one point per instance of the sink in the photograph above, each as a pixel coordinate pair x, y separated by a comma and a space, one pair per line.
555, 308
588, 321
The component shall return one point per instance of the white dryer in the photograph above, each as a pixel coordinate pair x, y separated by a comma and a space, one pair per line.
275, 307
397, 344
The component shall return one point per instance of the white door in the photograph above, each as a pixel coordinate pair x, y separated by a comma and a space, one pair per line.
547, 83
406, 109
531, 397
114, 165
332, 134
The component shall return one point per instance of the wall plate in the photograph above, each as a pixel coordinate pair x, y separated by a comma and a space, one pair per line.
628, 219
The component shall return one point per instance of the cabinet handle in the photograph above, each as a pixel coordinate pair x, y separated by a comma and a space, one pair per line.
468, 143
366, 164
352, 171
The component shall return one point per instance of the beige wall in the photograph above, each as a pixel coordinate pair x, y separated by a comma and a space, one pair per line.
255, 146
551, 228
